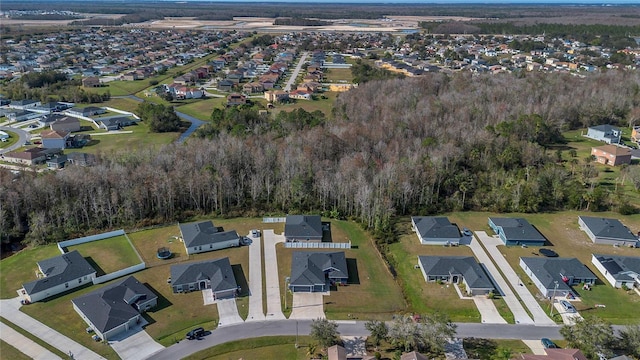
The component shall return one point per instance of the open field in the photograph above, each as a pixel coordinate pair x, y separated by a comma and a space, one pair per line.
270, 347
338, 75
20, 268
202, 109
324, 105
562, 231
108, 255
371, 293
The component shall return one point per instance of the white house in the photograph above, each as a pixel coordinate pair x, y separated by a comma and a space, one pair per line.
203, 236
618, 270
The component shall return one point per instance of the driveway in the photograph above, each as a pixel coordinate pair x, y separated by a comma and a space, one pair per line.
307, 306
568, 318
535, 346
256, 310
488, 312
24, 344
274, 305
519, 313
135, 344
9, 309
490, 243
228, 312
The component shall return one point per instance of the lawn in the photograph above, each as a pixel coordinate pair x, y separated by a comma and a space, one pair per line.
13, 138
426, 297
485, 349
202, 109
270, 347
371, 294
9, 352
20, 268
324, 105
108, 255
562, 231
338, 75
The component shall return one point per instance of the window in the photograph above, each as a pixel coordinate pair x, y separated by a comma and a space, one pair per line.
66, 285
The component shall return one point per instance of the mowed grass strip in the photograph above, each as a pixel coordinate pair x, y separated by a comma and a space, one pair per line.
21, 268
9, 352
32, 338
111, 254
372, 292
565, 237
423, 297
270, 347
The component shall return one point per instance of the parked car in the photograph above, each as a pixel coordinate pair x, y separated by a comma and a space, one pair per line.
567, 306
195, 333
548, 344
466, 232
255, 233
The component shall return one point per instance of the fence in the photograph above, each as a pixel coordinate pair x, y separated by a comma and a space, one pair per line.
317, 245
117, 274
86, 239
121, 112
274, 219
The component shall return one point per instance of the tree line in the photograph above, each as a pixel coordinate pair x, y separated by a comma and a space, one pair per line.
411, 146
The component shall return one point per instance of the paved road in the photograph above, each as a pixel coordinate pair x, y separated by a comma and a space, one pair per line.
518, 311
274, 305
296, 71
490, 243
256, 310
195, 124
25, 345
9, 309
347, 328
23, 136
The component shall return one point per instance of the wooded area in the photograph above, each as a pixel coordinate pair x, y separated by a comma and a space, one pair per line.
394, 147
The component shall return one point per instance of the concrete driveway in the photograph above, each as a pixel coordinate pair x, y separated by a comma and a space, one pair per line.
536, 346
518, 311
256, 311
135, 344
568, 318
228, 312
24, 344
272, 278
488, 312
490, 243
307, 306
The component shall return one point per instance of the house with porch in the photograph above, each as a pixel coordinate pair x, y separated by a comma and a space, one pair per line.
516, 231
317, 271
618, 270
547, 273
57, 275
115, 308
435, 230
203, 236
216, 275
456, 270
607, 231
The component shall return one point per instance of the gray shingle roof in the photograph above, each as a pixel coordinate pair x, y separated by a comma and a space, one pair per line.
303, 226
205, 233
548, 270
608, 228
620, 267
308, 268
218, 272
59, 270
436, 227
107, 308
518, 229
472, 272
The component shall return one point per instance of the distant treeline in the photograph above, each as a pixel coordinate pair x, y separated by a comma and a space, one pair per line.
298, 21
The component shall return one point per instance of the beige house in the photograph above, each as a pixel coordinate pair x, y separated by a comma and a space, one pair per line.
611, 155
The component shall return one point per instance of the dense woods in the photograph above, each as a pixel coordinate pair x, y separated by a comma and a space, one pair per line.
392, 147
51, 86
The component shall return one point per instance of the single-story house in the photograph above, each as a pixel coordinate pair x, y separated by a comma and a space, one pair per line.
66, 123
316, 271
414, 355
546, 273
216, 275
516, 231
303, 228
336, 352
4, 135
613, 155
435, 230
58, 274
606, 133
300, 95
33, 156
607, 231
57, 162
23, 115
55, 139
456, 270
554, 354
87, 111
91, 81
24, 104
203, 236
225, 85
115, 308
618, 270
116, 123
81, 159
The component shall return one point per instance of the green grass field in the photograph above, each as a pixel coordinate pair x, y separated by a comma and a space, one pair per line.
270, 347
202, 109
108, 255
13, 138
324, 105
338, 75
20, 268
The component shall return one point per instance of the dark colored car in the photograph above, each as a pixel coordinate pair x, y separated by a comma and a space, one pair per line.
548, 344
195, 333
548, 252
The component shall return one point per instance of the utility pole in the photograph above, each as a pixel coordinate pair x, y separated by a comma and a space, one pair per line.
553, 299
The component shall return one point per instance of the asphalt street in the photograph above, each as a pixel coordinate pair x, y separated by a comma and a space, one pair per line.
23, 136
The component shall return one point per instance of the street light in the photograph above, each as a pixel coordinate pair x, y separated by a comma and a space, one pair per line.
553, 299
286, 283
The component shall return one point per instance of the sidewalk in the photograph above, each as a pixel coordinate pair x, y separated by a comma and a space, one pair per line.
490, 243
519, 313
10, 310
24, 344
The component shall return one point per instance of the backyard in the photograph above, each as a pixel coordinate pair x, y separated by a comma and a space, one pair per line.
108, 255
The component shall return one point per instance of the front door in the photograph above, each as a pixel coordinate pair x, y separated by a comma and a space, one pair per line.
203, 285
